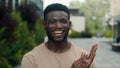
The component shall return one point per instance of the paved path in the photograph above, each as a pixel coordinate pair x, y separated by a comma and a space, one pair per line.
105, 57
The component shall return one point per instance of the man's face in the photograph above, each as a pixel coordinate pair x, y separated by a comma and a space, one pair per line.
57, 26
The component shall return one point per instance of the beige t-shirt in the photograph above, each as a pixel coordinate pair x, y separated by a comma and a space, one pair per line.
41, 57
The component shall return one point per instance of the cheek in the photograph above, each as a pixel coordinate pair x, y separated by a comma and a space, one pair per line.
50, 25
49, 28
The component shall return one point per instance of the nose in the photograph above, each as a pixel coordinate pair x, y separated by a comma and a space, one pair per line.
58, 24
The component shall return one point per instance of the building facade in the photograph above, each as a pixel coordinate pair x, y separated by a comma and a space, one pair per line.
39, 4
78, 21
115, 19
114, 7
14, 4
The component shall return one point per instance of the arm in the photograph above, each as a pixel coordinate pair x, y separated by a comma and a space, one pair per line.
86, 60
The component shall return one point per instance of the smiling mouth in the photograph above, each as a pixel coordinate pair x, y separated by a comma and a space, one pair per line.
58, 33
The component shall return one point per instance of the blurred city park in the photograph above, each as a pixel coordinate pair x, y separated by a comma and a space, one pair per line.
21, 25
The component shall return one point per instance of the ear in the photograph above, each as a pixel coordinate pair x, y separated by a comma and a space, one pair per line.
70, 24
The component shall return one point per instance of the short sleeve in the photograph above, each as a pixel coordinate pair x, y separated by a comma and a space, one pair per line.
27, 61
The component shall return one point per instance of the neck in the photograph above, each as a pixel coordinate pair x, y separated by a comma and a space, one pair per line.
58, 47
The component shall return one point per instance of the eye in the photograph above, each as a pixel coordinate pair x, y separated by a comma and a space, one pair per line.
64, 21
51, 21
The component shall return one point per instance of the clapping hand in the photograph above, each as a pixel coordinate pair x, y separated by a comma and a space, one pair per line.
86, 59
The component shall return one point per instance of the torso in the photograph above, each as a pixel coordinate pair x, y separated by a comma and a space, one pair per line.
45, 58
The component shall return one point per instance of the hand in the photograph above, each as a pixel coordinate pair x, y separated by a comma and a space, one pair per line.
86, 59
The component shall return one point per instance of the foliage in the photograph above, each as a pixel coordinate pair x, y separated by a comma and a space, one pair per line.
3, 11
30, 14
4, 63
75, 4
39, 32
86, 34
83, 34
7, 39
74, 34
94, 12
16, 39
108, 33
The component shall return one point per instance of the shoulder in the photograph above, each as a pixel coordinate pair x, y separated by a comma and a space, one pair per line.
35, 51
29, 59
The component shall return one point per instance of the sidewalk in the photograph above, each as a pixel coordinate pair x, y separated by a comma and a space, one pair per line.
105, 57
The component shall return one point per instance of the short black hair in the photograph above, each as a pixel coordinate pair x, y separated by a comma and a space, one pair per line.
56, 7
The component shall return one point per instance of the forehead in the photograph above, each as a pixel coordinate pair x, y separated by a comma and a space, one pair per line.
57, 14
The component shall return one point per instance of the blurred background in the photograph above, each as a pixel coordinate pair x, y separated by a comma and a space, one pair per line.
94, 21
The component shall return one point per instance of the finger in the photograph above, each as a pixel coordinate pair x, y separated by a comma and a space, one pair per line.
87, 62
81, 58
82, 61
93, 50
84, 64
92, 54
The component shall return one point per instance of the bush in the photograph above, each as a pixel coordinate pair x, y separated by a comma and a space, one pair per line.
85, 34
18, 40
27, 39
108, 33
29, 14
4, 63
74, 34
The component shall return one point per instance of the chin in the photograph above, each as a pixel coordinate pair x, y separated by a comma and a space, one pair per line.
58, 41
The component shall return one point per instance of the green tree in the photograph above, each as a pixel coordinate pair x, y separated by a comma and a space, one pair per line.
94, 12
16, 38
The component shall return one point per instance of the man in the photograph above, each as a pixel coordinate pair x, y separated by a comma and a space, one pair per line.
58, 52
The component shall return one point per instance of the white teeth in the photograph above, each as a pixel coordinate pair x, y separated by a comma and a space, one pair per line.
58, 31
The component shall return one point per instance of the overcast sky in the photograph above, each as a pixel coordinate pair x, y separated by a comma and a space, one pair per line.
65, 2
